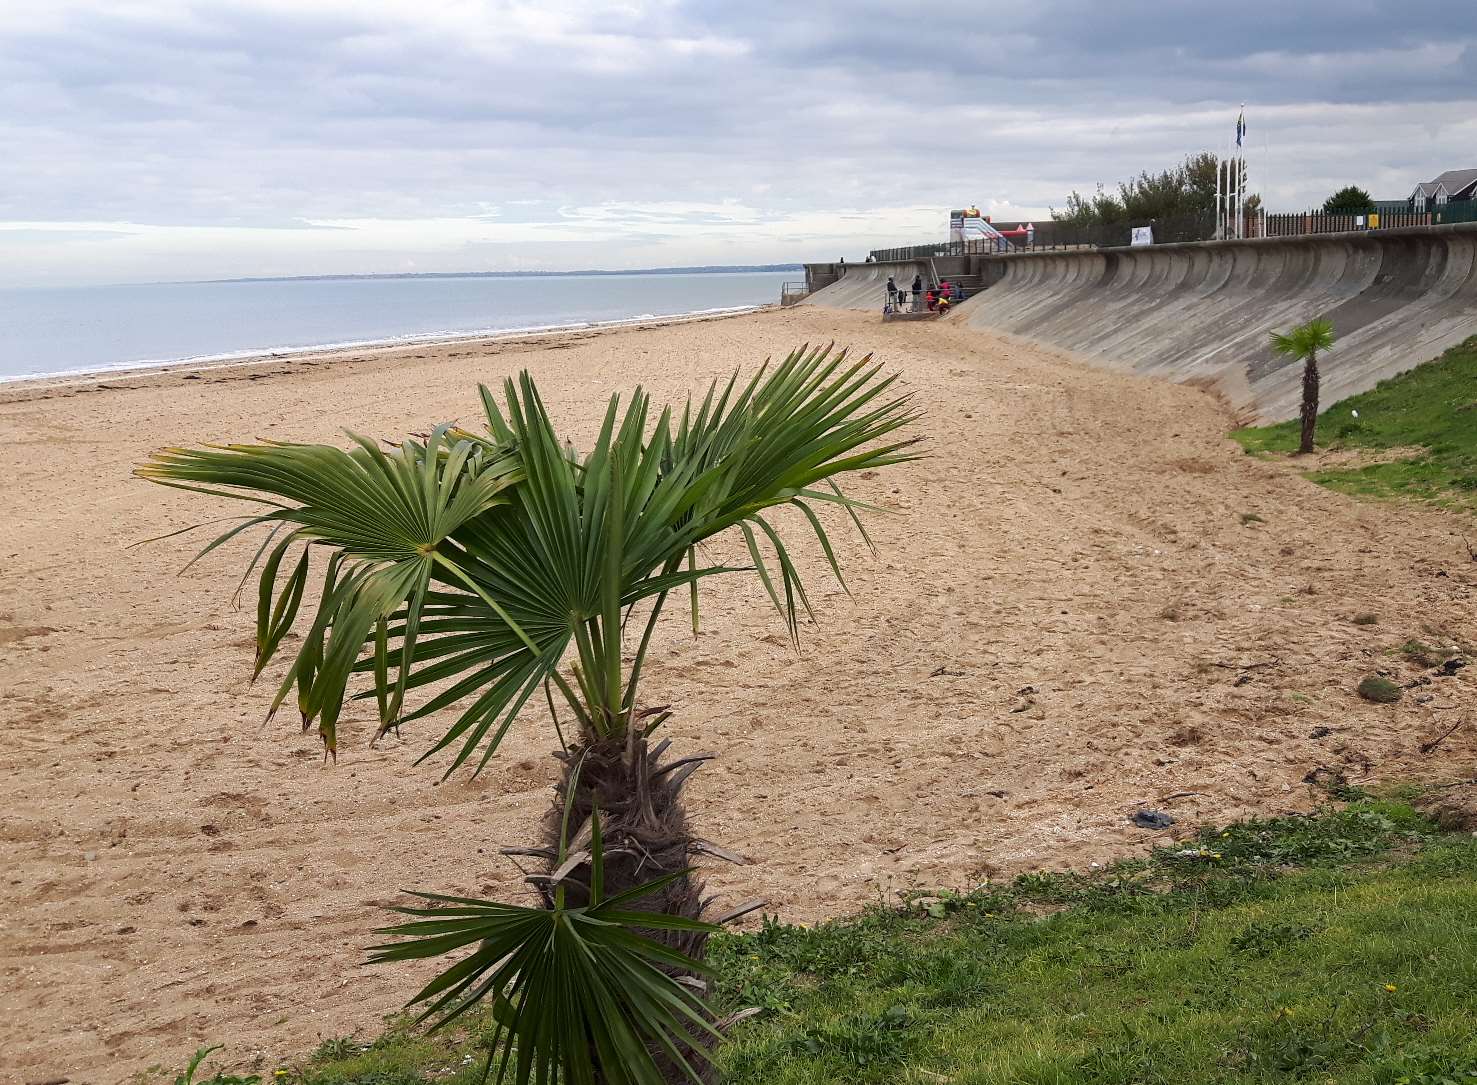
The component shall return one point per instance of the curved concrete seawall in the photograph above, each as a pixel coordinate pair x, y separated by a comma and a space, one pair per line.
864, 286
1201, 313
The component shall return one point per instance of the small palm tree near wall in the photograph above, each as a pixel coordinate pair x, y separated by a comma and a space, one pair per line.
476, 571
1304, 342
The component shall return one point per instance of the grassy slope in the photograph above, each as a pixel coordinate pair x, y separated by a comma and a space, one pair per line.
1234, 974
1330, 949
1433, 406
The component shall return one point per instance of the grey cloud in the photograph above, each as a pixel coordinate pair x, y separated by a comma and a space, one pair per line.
246, 115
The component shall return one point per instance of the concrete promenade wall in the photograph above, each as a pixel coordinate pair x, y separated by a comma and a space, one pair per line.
864, 286
1201, 313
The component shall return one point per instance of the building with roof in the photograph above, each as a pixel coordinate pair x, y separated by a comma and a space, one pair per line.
1453, 186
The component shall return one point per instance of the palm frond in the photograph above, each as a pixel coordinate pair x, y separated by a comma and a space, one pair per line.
384, 515
1304, 340
480, 563
570, 988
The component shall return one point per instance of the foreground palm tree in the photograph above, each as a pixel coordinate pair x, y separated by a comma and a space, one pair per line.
492, 567
1304, 342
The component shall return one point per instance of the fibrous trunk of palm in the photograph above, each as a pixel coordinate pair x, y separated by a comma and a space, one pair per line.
644, 833
643, 825
1310, 404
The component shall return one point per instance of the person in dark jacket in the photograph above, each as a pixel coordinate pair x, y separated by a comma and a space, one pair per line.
917, 290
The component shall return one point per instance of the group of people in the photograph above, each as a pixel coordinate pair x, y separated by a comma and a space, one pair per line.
936, 299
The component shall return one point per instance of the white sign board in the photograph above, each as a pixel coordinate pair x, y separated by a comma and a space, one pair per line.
1143, 235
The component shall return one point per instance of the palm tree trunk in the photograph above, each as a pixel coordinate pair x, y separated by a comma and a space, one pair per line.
1310, 403
643, 824
645, 835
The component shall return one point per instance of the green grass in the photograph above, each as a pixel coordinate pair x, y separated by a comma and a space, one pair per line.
1264, 956
1432, 407
1379, 690
1331, 948
1424, 655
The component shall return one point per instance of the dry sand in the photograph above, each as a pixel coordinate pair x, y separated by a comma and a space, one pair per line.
176, 873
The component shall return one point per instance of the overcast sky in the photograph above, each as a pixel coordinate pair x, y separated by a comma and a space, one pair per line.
181, 139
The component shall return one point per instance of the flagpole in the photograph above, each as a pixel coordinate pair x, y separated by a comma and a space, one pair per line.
1231, 203
1225, 208
1219, 169
1240, 174
1231, 188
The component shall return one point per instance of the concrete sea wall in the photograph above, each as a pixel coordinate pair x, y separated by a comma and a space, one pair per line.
864, 286
1201, 313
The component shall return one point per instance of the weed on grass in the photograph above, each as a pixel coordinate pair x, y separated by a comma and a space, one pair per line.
1379, 690
1424, 655
193, 1074
1430, 408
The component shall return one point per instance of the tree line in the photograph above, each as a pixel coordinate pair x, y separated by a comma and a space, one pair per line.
1181, 191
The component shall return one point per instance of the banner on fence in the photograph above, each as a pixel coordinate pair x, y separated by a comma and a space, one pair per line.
1142, 235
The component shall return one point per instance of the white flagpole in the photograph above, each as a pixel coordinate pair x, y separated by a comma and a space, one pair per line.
1231, 187
1225, 195
1236, 204
1235, 183
1241, 173
1220, 166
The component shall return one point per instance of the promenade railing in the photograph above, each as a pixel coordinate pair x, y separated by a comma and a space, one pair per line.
1055, 235
1378, 218
792, 292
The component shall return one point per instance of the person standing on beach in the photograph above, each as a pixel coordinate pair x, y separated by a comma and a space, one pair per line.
891, 292
917, 290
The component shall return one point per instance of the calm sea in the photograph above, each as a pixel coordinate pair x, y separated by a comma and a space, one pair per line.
51, 330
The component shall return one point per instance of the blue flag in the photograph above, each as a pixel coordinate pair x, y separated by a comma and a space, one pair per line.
1240, 126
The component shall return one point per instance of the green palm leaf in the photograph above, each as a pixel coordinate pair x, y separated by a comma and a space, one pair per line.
493, 564
1305, 340
384, 514
570, 988
561, 982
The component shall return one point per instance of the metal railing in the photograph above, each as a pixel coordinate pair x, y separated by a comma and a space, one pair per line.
1384, 217
1054, 235
792, 292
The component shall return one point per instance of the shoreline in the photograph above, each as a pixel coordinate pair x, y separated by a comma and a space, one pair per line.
45, 382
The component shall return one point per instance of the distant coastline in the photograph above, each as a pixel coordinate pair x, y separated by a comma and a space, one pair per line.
705, 269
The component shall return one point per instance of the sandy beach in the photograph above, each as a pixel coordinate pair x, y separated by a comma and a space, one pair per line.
1086, 601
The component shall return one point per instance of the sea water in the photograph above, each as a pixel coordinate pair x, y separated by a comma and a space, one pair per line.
48, 331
